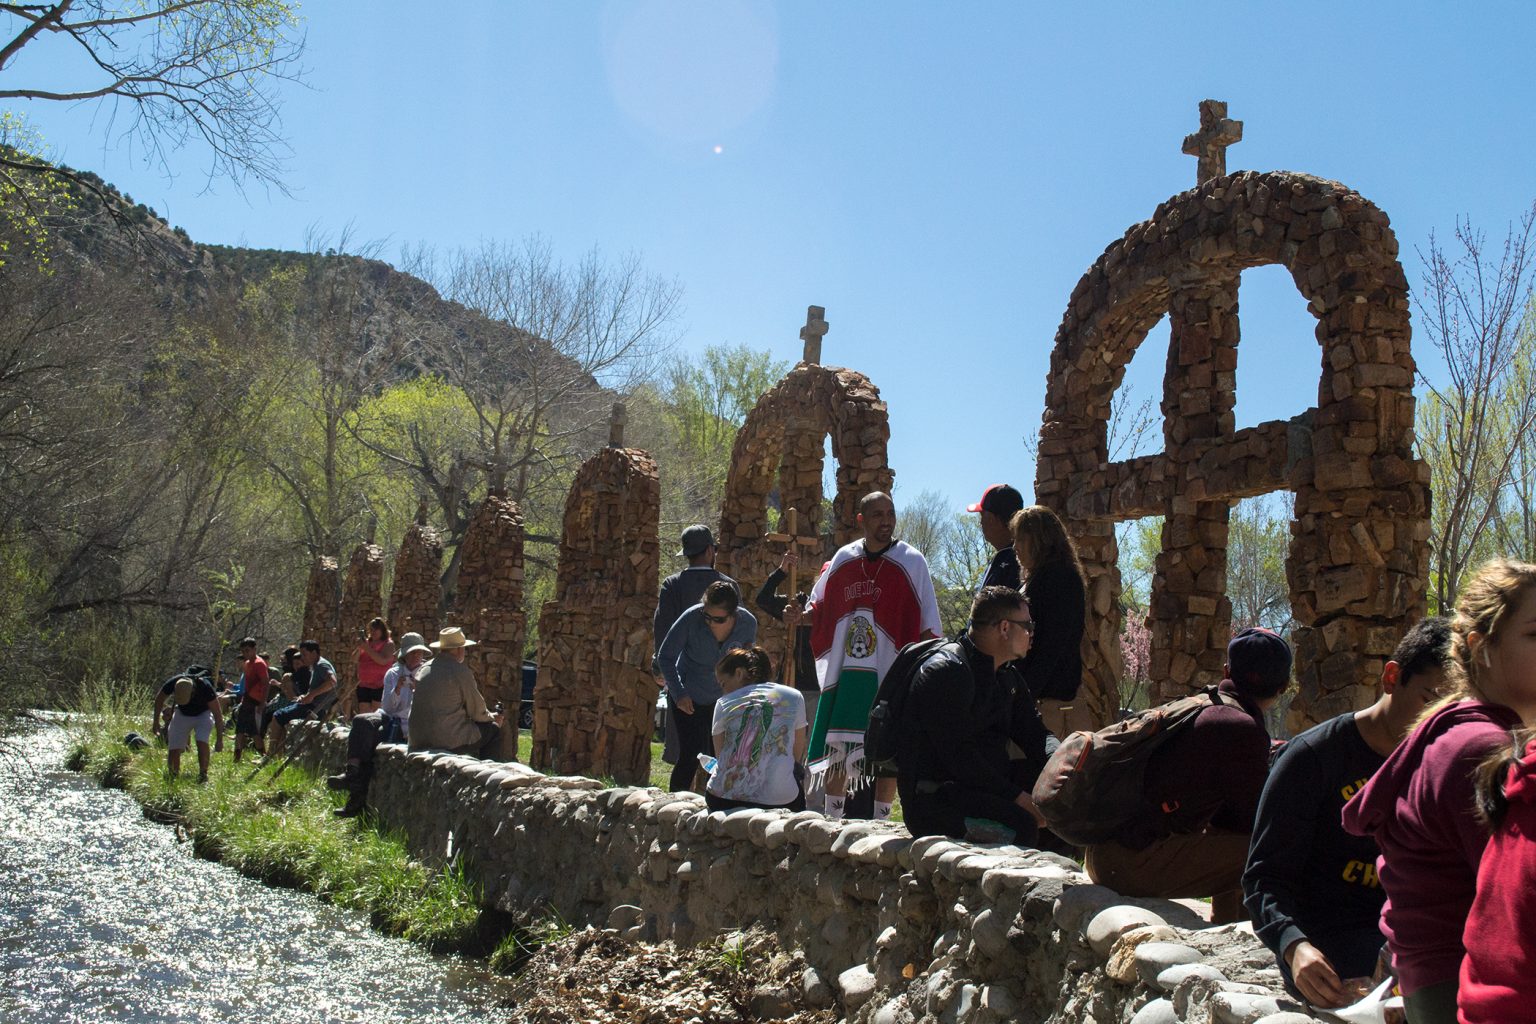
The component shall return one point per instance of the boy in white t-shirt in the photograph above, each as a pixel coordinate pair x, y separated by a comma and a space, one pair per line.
760, 737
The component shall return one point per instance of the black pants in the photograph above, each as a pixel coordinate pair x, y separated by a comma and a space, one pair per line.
693, 739
488, 745
943, 812
367, 733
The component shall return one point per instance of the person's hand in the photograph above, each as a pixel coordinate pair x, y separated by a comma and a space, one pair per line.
1314, 975
661, 681
1027, 801
500, 718
793, 614
684, 705
218, 745
789, 561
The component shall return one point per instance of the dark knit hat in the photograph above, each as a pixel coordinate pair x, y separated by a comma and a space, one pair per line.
1259, 661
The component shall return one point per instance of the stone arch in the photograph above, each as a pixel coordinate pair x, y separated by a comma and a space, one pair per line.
322, 603
360, 601
595, 694
415, 594
782, 443
1358, 562
488, 606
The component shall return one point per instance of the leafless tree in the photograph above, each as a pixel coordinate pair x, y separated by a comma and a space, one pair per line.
170, 72
1475, 308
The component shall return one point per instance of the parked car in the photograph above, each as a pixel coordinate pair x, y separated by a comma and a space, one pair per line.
530, 679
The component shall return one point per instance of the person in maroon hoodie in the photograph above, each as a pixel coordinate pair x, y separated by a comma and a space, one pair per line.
1498, 975
1420, 806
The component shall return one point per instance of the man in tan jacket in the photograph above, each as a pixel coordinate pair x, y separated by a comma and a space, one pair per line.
448, 712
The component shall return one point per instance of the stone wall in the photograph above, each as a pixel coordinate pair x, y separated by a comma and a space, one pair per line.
1358, 559
779, 449
893, 930
488, 606
595, 695
322, 603
360, 603
416, 593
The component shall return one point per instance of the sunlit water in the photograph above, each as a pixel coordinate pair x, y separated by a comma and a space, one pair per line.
105, 916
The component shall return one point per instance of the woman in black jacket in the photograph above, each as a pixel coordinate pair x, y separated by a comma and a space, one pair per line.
1054, 587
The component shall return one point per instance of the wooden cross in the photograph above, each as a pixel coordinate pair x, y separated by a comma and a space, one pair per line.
616, 421
791, 522
1209, 144
815, 329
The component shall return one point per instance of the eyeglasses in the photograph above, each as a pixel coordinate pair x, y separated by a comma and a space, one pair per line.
719, 620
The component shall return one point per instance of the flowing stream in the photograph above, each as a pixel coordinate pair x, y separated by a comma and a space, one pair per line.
105, 916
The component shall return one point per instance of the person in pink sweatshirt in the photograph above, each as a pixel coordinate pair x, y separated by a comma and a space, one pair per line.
1498, 975
1420, 806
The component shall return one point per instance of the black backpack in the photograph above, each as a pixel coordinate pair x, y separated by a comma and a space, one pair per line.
890, 701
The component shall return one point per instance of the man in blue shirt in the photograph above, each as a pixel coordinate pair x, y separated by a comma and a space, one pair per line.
315, 702
686, 659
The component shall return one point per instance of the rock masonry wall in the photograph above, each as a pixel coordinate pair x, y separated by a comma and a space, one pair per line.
1358, 560
416, 591
322, 603
360, 603
595, 694
488, 606
894, 930
780, 447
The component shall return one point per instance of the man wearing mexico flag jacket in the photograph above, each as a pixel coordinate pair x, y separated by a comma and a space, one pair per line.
872, 599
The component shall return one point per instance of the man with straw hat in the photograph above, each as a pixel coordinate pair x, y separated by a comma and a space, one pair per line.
448, 712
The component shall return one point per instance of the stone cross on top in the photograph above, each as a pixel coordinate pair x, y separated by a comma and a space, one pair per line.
1209, 144
616, 421
815, 329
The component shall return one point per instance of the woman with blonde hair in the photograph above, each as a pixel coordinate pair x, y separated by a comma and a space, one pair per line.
1054, 588
1420, 807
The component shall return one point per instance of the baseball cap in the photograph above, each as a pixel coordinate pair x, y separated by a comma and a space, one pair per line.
183, 690
695, 539
1002, 500
1259, 660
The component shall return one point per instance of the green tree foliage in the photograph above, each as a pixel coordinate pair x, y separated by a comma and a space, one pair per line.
1476, 422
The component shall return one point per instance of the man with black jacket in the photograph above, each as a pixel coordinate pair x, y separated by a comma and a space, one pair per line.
962, 708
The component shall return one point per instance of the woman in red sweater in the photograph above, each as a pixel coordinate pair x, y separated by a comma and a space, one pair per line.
1420, 805
1498, 976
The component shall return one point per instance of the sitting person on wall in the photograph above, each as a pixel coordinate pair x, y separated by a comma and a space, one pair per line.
760, 737
447, 711
195, 699
386, 725
1311, 887
375, 655
953, 772
1202, 789
313, 703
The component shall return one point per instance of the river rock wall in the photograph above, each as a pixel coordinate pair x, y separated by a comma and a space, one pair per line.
895, 930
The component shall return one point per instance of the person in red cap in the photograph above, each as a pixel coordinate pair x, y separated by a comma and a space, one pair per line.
998, 505
1202, 790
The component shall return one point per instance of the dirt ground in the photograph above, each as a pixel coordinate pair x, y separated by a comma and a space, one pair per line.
595, 976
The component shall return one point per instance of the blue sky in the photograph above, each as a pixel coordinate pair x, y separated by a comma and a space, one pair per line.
937, 175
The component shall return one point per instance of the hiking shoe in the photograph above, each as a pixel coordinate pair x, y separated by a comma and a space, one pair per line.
355, 806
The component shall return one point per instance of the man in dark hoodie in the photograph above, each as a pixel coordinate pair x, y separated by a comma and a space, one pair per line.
1312, 888
1205, 783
